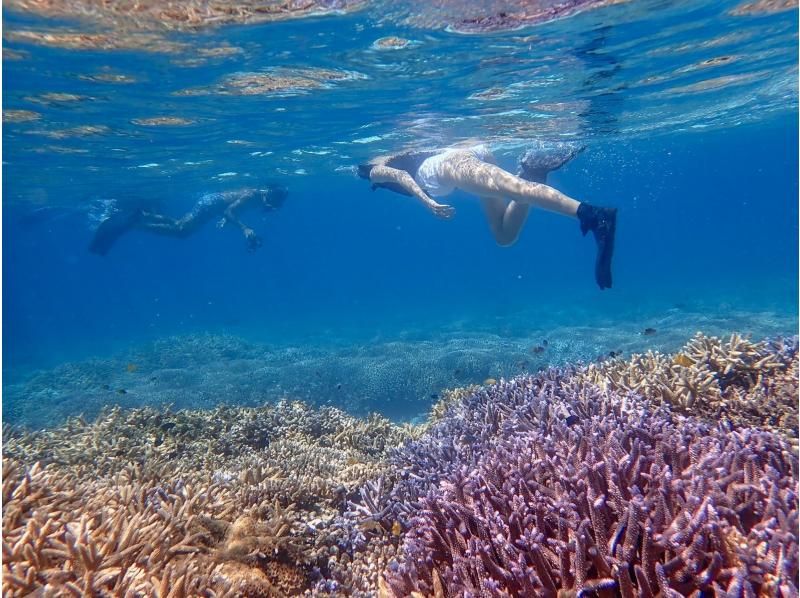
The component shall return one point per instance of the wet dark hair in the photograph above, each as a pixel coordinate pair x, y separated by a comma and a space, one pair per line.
274, 196
364, 170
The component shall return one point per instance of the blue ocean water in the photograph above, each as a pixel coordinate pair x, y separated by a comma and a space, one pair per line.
688, 111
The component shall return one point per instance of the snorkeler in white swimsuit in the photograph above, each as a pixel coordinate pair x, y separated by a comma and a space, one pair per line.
506, 198
224, 204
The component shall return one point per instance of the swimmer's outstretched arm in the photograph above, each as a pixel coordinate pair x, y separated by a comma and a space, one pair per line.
253, 242
386, 174
230, 216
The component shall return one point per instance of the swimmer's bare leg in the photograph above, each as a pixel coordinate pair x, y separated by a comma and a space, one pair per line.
506, 219
468, 173
465, 171
164, 225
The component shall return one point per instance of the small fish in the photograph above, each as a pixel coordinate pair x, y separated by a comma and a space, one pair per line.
370, 525
122, 391
522, 364
544, 343
612, 354
682, 360
106, 387
339, 386
572, 419
457, 372
397, 529
131, 368
537, 350
648, 331
489, 382
434, 395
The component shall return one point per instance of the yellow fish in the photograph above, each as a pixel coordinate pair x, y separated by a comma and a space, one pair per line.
132, 367
489, 381
397, 529
681, 359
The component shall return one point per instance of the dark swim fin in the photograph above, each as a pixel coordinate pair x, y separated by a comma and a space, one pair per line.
603, 224
543, 157
112, 228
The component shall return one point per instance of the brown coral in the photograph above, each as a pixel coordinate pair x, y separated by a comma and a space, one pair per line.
745, 382
238, 500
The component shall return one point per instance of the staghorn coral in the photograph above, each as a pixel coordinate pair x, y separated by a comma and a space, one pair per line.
750, 384
288, 499
69, 537
570, 490
448, 398
251, 493
283, 436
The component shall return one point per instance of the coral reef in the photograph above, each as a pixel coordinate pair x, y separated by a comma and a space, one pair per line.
590, 480
750, 384
566, 488
69, 537
251, 494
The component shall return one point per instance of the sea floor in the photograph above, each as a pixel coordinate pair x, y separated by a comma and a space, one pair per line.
398, 375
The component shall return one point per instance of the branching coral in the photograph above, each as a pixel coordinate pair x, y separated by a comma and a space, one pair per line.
569, 483
619, 498
751, 384
72, 538
122, 502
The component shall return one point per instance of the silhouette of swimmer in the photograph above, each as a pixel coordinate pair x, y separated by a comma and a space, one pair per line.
211, 205
506, 197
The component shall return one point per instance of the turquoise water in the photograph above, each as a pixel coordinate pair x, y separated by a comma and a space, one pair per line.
362, 299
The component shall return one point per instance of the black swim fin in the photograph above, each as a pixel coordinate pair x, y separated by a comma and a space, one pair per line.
112, 228
543, 157
603, 224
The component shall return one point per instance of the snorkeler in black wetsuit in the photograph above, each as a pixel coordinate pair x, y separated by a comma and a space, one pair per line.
506, 198
211, 205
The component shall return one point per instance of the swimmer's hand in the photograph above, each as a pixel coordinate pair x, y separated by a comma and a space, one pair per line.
252, 239
222, 222
443, 211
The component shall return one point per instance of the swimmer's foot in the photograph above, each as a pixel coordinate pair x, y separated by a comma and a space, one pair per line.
543, 157
603, 223
112, 228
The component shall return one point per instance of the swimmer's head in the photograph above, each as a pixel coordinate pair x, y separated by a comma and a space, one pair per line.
273, 197
364, 170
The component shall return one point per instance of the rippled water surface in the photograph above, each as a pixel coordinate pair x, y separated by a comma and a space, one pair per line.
308, 97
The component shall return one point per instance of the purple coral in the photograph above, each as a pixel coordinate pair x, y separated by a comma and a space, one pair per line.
556, 486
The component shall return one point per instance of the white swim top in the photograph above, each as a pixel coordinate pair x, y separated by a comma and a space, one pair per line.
429, 172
